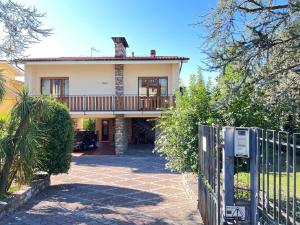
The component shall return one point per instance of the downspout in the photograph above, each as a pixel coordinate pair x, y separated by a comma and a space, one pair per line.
181, 62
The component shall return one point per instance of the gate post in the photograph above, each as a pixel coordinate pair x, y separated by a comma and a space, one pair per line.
228, 167
254, 167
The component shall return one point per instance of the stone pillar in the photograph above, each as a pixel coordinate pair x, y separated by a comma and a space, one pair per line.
121, 125
121, 135
119, 79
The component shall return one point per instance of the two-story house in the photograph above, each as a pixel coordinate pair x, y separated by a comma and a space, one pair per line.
122, 92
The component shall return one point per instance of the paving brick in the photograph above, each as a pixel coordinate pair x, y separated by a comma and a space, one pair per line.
111, 190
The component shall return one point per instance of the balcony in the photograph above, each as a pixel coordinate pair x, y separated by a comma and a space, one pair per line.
85, 103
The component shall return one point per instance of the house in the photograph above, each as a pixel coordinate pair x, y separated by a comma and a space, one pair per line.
12, 86
122, 92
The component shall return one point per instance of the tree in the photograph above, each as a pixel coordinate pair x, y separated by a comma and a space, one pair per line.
21, 27
240, 110
55, 156
178, 131
261, 38
21, 139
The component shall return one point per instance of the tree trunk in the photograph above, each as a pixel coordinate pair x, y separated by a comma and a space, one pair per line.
5, 174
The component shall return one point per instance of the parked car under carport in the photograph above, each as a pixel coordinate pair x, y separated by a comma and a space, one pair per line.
85, 140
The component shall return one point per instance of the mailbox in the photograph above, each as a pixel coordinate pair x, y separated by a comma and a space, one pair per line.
242, 142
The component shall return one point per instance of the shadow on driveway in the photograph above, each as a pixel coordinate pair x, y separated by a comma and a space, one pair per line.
87, 204
137, 164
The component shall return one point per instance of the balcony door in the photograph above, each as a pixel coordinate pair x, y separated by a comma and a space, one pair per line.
151, 89
57, 87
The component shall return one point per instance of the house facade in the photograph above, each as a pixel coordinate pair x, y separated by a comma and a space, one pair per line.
122, 92
12, 86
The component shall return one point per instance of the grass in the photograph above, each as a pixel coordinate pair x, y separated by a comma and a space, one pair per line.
242, 180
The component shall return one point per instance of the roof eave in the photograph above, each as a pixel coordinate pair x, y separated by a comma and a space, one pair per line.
167, 61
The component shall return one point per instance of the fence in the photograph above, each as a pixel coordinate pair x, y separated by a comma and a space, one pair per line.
265, 180
209, 180
278, 190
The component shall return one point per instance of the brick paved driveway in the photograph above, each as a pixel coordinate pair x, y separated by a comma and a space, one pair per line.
111, 190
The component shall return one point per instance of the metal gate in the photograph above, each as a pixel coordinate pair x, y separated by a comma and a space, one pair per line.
272, 175
278, 190
209, 202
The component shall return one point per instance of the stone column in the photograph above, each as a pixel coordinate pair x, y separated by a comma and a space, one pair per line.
121, 126
119, 79
121, 135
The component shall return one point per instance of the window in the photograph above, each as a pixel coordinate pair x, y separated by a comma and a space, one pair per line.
55, 86
153, 86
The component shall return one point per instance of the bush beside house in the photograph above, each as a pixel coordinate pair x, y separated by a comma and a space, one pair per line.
55, 157
178, 137
36, 136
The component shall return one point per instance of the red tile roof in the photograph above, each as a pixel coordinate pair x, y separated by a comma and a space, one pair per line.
103, 58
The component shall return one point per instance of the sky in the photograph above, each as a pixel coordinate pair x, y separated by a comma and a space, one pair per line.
163, 25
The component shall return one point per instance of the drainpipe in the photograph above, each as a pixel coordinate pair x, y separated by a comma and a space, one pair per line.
181, 63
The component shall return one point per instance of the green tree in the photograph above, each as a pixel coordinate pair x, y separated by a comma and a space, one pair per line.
178, 131
55, 156
21, 139
242, 109
260, 40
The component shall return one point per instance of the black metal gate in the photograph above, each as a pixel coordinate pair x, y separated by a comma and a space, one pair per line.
209, 202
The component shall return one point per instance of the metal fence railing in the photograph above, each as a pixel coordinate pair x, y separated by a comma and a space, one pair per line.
263, 182
209, 203
278, 180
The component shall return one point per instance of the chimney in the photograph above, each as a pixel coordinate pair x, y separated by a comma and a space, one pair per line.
153, 53
120, 46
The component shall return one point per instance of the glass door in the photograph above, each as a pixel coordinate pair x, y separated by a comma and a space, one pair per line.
105, 130
57, 87
150, 91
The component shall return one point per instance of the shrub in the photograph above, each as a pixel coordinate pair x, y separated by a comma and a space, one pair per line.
89, 124
178, 136
55, 157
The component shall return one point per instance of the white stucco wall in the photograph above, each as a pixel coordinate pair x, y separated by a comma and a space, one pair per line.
83, 79
94, 79
132, 72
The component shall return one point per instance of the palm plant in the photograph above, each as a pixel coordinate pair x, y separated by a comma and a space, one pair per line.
21, 138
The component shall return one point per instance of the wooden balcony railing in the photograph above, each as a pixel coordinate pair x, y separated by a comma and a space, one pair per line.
79, 103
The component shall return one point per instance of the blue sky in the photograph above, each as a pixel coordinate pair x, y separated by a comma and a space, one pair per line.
164, 25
